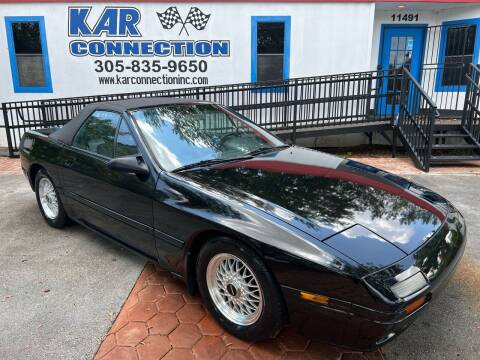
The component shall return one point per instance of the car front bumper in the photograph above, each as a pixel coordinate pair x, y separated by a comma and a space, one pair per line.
343, 328
360, 328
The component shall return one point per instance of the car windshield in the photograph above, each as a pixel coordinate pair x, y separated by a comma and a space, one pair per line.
185, 134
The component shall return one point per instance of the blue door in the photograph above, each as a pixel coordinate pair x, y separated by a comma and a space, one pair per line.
400, 46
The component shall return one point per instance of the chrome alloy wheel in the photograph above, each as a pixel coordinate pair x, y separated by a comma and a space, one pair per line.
234, 289
48, 198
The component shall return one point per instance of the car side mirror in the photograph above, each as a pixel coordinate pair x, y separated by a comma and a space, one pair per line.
129, 164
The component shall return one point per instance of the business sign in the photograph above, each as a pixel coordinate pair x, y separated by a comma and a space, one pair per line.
114, 41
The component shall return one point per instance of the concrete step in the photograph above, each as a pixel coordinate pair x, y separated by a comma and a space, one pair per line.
453, 158
453, 146
450, 135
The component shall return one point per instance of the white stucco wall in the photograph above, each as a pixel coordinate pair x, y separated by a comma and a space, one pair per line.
325, 38
429, 17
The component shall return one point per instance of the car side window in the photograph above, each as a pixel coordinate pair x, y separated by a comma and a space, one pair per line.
125, 144
97, 134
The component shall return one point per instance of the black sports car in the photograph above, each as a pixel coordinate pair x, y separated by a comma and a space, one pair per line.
263, 230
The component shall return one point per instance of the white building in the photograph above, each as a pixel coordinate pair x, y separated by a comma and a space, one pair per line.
61, 49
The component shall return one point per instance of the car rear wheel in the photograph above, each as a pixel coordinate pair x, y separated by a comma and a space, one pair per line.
239, 290
48, 201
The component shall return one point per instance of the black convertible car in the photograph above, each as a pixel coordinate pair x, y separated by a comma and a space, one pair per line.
263, 230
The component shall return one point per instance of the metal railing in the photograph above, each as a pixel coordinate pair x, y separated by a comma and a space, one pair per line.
291, 106
416, 120
471, 111
443, 77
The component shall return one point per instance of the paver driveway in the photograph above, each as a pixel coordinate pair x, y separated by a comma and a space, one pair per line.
160, 319
61, 290
450, 327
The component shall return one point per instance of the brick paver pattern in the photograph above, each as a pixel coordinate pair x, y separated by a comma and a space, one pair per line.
159, 320
405, 166
10, 166
399, 165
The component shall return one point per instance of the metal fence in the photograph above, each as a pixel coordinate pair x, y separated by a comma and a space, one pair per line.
471, 112
367, 101
444, 68
291, 107
416, 120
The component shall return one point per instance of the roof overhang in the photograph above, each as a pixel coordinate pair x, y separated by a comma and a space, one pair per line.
247, 1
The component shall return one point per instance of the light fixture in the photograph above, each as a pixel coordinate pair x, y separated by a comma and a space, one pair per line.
415, 305
321, 299
409, 282
401, 6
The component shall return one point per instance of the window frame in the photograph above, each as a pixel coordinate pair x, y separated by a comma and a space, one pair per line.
124, 119
92, 153
9, 21
286, 20
146, 149
439, 87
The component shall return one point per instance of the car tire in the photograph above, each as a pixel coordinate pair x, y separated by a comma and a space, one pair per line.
49, 201
239, 290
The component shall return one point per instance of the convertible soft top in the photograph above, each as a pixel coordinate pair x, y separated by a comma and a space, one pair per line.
67, 132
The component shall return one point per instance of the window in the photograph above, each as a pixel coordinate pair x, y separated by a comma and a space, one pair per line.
97, 134
458, 48
458, 54
400, 55
28, 54
270, 48
182, 134
125, 144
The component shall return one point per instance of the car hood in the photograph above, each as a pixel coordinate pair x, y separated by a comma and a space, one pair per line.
323, 195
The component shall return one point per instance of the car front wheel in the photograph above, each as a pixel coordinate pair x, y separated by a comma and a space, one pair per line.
239, 290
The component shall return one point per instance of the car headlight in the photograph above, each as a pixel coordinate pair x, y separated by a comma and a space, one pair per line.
409, 282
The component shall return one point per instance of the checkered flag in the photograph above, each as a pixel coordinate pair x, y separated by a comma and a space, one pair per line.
197, 18
170, 17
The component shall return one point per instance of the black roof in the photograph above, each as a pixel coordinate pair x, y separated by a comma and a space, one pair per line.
132, 104
67, 132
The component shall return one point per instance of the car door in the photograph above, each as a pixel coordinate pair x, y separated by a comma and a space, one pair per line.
115, 203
